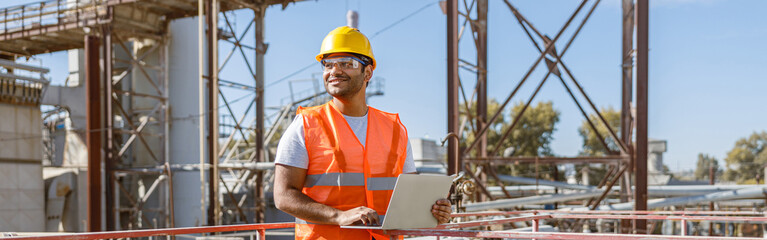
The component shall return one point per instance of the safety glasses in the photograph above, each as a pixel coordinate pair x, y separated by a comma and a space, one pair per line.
345, 63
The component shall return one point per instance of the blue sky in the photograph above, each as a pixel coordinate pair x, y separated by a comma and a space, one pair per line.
706, 64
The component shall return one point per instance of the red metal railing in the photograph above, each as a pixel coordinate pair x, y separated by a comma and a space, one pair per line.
442, 231
260, 228
506, 213
544, 235
453, 229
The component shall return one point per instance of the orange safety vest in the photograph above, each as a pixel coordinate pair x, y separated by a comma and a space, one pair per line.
343, 174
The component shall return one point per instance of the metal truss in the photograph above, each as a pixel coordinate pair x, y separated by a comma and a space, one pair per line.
478, 162
139, 181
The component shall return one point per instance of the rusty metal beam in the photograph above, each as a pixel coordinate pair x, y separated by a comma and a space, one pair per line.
640, 186
93, 131
454, 163
481, 43
524, 78
547, 160
260, 52
627, 69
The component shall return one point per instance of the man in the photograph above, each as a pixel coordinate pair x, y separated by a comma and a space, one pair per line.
337, 163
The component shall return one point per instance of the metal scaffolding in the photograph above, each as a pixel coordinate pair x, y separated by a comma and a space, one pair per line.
132, 137
479, 163
126, 45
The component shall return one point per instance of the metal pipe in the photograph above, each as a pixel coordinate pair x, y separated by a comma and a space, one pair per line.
212, 113
547, 160
612, 213
171, 206
532, 181
508, 203
491, 169
640, 192
109, 161
171, 220
201, 96
711, 204
160, 232
93, 131
652, 191
476, 179
454, 163
542, 235
752, 192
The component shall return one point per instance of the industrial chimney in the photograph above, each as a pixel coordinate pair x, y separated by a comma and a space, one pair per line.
352, 18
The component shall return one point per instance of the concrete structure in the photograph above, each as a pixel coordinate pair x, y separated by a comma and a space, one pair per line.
22, 197
429, 157
655, 170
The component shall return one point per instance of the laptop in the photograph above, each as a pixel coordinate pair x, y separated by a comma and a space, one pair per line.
410, 204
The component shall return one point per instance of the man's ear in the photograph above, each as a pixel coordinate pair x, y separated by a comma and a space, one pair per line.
368, 72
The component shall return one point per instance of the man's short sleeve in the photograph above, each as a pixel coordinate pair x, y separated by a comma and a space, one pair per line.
291, 150
409, 166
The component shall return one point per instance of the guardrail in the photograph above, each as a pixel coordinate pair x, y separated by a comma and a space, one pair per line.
49, 16
454, 229
260, 228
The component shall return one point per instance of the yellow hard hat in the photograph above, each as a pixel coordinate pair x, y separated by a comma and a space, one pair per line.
346, 40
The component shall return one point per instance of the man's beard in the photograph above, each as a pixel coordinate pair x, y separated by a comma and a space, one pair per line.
352, 87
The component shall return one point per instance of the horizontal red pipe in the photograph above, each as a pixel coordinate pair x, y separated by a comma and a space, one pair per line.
546, 235
159, 232
503, 213
491, 222
662, 217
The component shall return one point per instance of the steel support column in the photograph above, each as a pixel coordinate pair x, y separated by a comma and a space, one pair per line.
260, 51
481, 44
109, 160
454, 163
211, 17
640, 194
627, 69
93, 131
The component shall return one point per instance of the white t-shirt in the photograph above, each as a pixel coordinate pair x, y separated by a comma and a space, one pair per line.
291, 150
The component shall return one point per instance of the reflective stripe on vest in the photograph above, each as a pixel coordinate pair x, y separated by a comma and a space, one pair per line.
301, 221
350, 179
381, 183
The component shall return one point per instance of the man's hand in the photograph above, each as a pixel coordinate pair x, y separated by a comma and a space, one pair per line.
359, 214
441, 211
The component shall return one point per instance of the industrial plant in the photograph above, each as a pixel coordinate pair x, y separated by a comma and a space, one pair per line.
148, 138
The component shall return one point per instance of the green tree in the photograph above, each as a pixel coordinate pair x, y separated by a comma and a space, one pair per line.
592, 146
747, 159
531, 136
493, 132
702, 167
